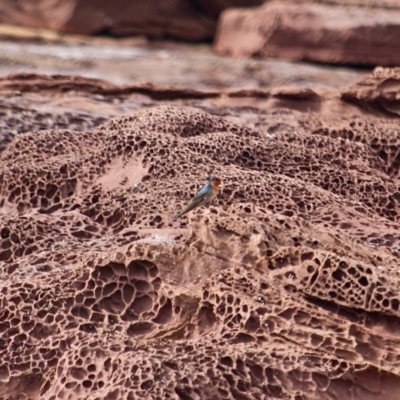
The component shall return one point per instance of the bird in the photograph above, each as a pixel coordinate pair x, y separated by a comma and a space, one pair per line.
206, 194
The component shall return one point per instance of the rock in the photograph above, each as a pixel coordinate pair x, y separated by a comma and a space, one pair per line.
286, 286
180, 19
312, 32
380, 90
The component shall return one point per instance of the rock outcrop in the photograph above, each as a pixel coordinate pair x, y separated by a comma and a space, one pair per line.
337, 34
285, 286
378, 91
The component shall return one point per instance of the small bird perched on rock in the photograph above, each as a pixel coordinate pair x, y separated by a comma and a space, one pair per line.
207, 193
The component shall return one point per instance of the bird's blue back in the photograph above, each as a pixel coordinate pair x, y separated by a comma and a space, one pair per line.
204, 190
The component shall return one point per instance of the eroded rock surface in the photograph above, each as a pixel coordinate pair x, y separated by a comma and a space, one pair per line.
378, 91
286, 286
340, 34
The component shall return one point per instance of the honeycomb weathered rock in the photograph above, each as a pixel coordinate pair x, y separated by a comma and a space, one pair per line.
286, 286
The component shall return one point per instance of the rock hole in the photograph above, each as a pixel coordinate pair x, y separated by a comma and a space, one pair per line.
164, 314
363, 281
139, 329
5, 233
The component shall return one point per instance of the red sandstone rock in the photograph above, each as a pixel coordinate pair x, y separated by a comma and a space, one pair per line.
314, 32
379, 90
286, 286
181, 19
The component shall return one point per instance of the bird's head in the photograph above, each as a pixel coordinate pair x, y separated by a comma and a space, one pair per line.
215, 182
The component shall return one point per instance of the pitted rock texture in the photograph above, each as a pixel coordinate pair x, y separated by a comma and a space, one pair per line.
183, 19
16, 120
324, 32
286, 286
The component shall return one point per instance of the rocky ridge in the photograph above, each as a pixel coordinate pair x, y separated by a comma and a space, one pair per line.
285, 286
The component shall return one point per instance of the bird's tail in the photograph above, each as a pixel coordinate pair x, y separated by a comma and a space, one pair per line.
183, 212
195, 203
178, 216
